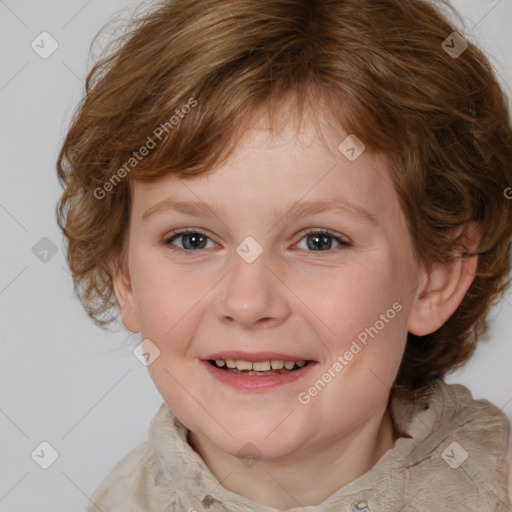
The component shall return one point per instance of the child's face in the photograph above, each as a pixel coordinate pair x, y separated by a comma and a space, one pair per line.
304, 297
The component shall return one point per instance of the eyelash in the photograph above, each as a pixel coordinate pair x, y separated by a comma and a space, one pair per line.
311, 231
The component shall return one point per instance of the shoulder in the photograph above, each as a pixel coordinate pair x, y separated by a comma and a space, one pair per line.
480, 437
136, 484
462, 452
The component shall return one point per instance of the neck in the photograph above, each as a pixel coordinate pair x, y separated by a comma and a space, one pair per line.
279, 483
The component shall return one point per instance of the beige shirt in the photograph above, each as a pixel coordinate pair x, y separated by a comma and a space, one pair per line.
454, 460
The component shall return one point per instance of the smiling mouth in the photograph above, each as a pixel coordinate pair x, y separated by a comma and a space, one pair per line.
274, 367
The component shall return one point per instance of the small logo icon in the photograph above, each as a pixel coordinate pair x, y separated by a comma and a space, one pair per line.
249, 249
454, 455
359, 506
454, 45
146, 352
351, 147
44, 45
44, 250
250, 454
44, 455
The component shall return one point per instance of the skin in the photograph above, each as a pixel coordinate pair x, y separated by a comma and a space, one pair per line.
292, 299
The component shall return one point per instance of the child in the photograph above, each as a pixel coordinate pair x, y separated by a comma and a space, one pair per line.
302, 208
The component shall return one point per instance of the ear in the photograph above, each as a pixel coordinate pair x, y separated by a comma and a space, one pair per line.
124, 294
445, 285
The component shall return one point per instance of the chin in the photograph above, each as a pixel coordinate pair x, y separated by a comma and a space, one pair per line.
252, 449
256, 439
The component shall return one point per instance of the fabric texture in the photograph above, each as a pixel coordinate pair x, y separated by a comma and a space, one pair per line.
452, 459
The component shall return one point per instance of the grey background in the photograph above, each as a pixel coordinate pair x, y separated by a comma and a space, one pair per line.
62, 379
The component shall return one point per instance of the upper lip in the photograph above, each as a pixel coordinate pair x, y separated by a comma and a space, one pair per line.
255, 356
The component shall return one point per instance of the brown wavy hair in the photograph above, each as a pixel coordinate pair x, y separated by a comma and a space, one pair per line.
375, 68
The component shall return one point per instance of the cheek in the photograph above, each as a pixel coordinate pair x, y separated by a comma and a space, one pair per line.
352, 300
364, 325
162, 297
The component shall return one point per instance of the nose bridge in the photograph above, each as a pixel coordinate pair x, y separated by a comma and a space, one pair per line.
252, 292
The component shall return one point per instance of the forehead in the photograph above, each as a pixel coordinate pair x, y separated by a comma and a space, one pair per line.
268, 172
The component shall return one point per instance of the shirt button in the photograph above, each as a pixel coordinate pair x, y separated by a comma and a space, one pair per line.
359, 506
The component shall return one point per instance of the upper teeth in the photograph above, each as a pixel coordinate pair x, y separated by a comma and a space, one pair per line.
260, 366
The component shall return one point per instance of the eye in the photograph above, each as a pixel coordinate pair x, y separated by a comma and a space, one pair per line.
192, 239
317, 240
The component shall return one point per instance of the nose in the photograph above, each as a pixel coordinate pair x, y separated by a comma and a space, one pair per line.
254, 294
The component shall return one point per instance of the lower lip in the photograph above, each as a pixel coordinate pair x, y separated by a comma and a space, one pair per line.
256, 382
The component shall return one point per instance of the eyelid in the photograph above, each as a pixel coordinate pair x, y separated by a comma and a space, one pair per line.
341, 239
329, 232
186, 231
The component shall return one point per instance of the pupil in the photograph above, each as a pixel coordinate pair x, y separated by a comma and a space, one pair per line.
194, 237
325, 239
197, 241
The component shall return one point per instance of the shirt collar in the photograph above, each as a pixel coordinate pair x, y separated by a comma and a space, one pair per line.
197, 488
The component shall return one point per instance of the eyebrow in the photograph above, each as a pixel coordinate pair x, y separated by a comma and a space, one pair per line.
297, 210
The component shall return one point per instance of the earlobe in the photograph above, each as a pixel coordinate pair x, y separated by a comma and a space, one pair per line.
444, 287
124, 295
